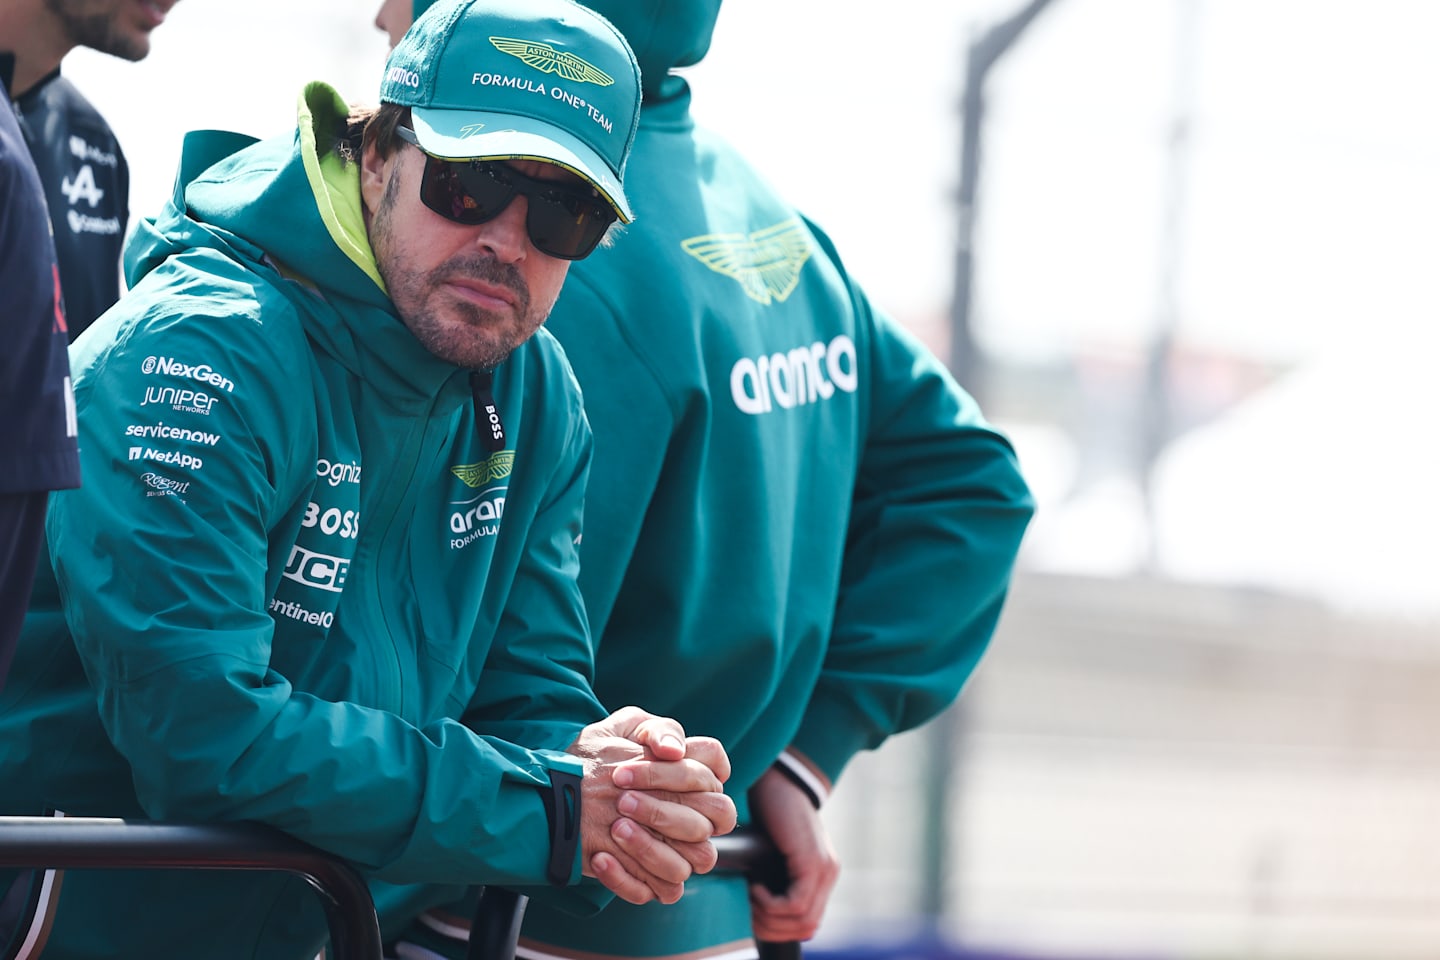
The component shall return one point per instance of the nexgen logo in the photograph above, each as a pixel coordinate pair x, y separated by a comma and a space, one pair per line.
174, 368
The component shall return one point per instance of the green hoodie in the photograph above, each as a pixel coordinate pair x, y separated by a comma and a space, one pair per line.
799, 529
293, 570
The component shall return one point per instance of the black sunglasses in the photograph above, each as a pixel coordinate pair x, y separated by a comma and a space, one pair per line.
563, 221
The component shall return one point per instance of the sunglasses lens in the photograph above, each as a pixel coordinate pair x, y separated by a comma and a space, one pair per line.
566, 224
463, 192
563, 222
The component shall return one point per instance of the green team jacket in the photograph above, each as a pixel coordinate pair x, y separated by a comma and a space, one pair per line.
799, 530
294, 578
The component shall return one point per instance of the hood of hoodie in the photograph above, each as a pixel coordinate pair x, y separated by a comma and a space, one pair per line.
663, 33
290, 208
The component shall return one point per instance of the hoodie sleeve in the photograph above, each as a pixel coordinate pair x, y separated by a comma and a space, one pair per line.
165, 567
937, 517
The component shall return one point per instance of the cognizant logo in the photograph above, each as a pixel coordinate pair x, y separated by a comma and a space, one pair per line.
335, 473
803, 375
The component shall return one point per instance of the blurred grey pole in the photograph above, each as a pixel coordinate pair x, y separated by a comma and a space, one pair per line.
1157, 418
984, 51
943, 735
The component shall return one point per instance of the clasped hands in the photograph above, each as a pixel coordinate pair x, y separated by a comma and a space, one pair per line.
651, 800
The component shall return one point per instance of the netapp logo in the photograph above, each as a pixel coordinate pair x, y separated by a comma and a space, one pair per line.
175, 458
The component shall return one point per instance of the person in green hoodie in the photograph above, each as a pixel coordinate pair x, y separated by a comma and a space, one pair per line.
323, 576
799, 530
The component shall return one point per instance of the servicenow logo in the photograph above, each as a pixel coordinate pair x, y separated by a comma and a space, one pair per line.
800, 376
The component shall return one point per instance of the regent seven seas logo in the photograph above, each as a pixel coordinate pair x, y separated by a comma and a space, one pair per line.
547, 59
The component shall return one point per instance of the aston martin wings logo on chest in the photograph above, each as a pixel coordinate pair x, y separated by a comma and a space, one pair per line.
494, 467
547, 59
766, 263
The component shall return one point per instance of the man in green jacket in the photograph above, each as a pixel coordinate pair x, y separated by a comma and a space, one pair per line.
323, 576
799, 530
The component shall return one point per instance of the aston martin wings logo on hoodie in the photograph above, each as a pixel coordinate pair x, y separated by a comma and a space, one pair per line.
766, 263
493, 467
547, 59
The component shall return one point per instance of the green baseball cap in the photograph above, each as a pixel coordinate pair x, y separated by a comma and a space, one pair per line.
520, 80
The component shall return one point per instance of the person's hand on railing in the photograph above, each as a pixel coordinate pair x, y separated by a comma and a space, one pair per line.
794, 824
651, 800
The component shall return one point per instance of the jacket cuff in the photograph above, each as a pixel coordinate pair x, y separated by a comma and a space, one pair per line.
562, 812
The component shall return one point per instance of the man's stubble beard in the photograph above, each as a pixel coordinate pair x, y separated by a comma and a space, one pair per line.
95, 29
478, 343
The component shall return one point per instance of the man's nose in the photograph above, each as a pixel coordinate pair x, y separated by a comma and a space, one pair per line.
505, 236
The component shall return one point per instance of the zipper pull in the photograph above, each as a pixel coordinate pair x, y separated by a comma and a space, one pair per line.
487, 416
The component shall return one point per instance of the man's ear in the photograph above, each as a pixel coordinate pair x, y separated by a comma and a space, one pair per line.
374, 174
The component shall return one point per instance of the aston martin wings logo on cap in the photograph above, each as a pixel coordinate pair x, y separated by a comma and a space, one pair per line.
547, 59
766, 263
493, 467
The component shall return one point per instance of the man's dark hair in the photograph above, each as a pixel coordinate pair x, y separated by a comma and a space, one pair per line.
367, 125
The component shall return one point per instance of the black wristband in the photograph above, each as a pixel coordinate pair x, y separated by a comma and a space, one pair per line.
562, 809
796, 779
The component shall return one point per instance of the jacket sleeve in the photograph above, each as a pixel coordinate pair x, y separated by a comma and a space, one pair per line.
165, 583
938, 513
535, 687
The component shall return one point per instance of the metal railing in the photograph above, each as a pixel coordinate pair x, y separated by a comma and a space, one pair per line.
107, 843
496, 924
104, 843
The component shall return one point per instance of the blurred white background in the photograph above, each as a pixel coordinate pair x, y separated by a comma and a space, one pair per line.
1209, 723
